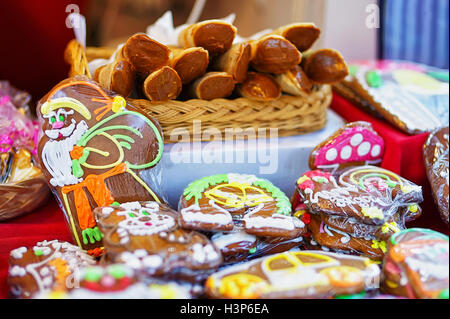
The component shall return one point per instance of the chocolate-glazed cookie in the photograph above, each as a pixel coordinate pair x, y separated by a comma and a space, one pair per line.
146, 236
417, 264
223, 202
44, 267
300, 274
96, 149
436, 163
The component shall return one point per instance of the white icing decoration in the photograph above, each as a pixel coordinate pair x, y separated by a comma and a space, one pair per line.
356, 139
56, 157
193, 214
153, 261
376, 150
202, 254
17, 271
331, 154
18, 252
364, 148
146, 221
106, 211
396, 100
242, 178
131, 206
222, 240
274, 221
346, 152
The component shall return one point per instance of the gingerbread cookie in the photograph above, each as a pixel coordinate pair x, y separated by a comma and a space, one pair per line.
436, 163
146, 236
355, 144
118, 281
44, 267
223, 202
407, 95
337, 240
417, 264
96, 149
238, 246
370, 194
299, 274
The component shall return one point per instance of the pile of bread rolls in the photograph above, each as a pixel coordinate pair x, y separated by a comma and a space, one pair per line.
210, 64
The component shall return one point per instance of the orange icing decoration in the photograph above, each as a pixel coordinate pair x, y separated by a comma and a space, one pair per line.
77, 152
96, 186
62, 271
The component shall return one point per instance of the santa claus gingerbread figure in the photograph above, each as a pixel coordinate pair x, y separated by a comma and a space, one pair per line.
96, 150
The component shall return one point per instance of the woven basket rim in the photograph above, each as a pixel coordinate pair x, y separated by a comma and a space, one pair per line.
290, 114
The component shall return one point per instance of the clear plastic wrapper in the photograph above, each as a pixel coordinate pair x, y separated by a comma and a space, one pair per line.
370, 194
46, 266
22, 186
412, 97
436, 164
295, 274
97, 149
116, 281
417, 265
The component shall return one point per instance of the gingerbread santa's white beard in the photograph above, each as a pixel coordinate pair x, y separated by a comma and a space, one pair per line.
56, 157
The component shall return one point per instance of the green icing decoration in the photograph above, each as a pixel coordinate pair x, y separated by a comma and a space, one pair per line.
444, 294
283, 203
252, 250
429, 232
93, 274
117, 271
442, 76
94, 235
374, 79
353, 69
93, 131
354, 296
38, 252
196, 188
115, 204
131, 215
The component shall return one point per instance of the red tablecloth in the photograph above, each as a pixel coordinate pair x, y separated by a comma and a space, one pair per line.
403, 155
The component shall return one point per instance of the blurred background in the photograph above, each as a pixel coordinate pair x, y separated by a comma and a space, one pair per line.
34, 33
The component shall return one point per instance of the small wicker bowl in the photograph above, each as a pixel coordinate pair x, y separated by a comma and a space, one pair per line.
20, 198
291, 115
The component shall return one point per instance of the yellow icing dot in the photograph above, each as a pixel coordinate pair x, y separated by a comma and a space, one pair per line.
379, 244
372, 212
302, 179
391, 284
166, 291
118, 104
390, 226
406, 189
413, 208
299, 213
57, 294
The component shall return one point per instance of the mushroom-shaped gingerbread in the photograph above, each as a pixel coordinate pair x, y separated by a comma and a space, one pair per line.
355, 144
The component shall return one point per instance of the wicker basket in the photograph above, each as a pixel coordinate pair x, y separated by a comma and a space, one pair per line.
291, 115
20, 198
